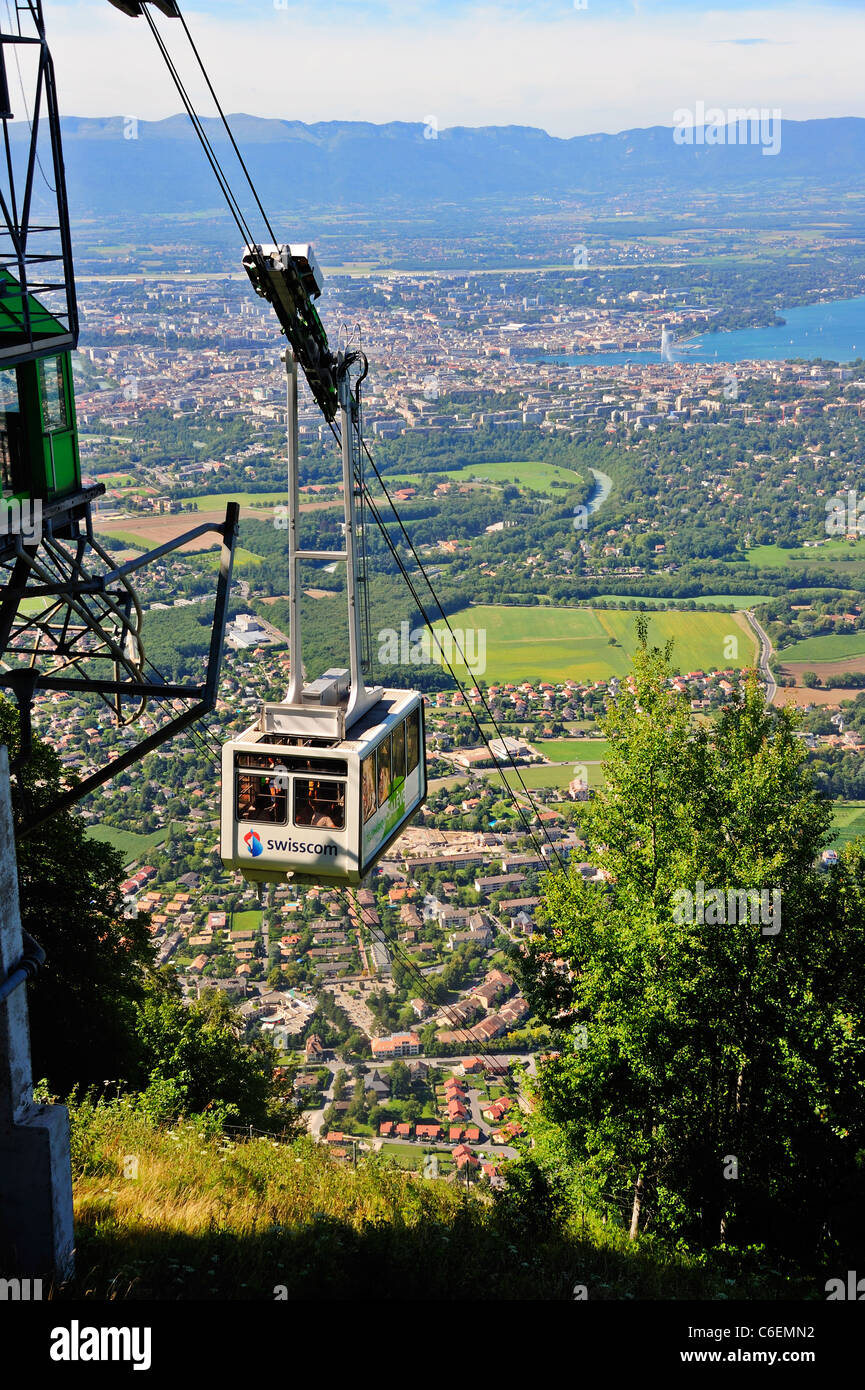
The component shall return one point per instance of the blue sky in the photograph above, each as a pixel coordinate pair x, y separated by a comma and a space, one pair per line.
572, 70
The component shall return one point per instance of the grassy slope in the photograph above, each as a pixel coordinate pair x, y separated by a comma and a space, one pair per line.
207, 1218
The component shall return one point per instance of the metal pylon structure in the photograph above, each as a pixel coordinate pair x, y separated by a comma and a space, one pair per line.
70, 619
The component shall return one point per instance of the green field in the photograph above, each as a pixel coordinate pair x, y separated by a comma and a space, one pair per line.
525, 473
30, 606
116, 533
211, 560
246, 921
557, 644
211, 501
738, 601
849, 817
580, 750
550, 776
131, 845
413, 1156
775, 556
833, 647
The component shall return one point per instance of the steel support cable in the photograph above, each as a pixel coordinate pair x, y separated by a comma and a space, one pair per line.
364, 558
210, 154
228, 130
458, 646
422, 610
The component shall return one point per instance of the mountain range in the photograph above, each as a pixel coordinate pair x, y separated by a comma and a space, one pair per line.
157, 167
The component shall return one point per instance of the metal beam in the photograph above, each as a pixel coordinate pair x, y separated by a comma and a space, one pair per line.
127, 759
205, 695
149, 690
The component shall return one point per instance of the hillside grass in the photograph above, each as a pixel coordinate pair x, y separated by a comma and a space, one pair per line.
203, 1217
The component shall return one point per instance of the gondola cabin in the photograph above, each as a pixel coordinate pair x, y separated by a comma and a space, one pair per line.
302, 807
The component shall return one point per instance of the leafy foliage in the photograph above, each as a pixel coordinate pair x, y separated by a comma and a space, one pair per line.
715, 1088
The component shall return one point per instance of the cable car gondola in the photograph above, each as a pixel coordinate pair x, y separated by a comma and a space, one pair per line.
322, 810
319, 786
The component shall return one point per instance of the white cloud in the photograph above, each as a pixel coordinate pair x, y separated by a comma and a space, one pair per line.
572, 75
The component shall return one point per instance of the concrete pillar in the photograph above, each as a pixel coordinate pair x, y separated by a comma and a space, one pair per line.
36, 1233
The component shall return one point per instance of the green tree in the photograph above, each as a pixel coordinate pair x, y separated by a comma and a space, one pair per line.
82, 1002
713, 1086
400, 1080
194, 1061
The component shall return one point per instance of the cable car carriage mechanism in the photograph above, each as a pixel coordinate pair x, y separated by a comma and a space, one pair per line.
319, 787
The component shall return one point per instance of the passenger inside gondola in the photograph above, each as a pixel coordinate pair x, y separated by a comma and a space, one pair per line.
320, 803
262, 799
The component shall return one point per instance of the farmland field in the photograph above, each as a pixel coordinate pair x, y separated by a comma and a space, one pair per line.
558, 644
581, 750
777, 557
150, 529
548, 776
209, 501
836, 646
849, 819
551, 776
538, 476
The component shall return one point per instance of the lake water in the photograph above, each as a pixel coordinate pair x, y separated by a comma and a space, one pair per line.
835, 331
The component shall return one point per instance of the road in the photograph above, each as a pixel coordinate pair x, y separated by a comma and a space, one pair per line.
763, 658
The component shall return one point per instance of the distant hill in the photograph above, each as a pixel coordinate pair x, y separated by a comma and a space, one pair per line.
347, 163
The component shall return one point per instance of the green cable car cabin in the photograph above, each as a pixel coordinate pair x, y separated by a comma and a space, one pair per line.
39, 455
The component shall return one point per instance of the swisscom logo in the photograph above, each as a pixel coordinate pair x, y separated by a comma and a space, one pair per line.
253, 843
